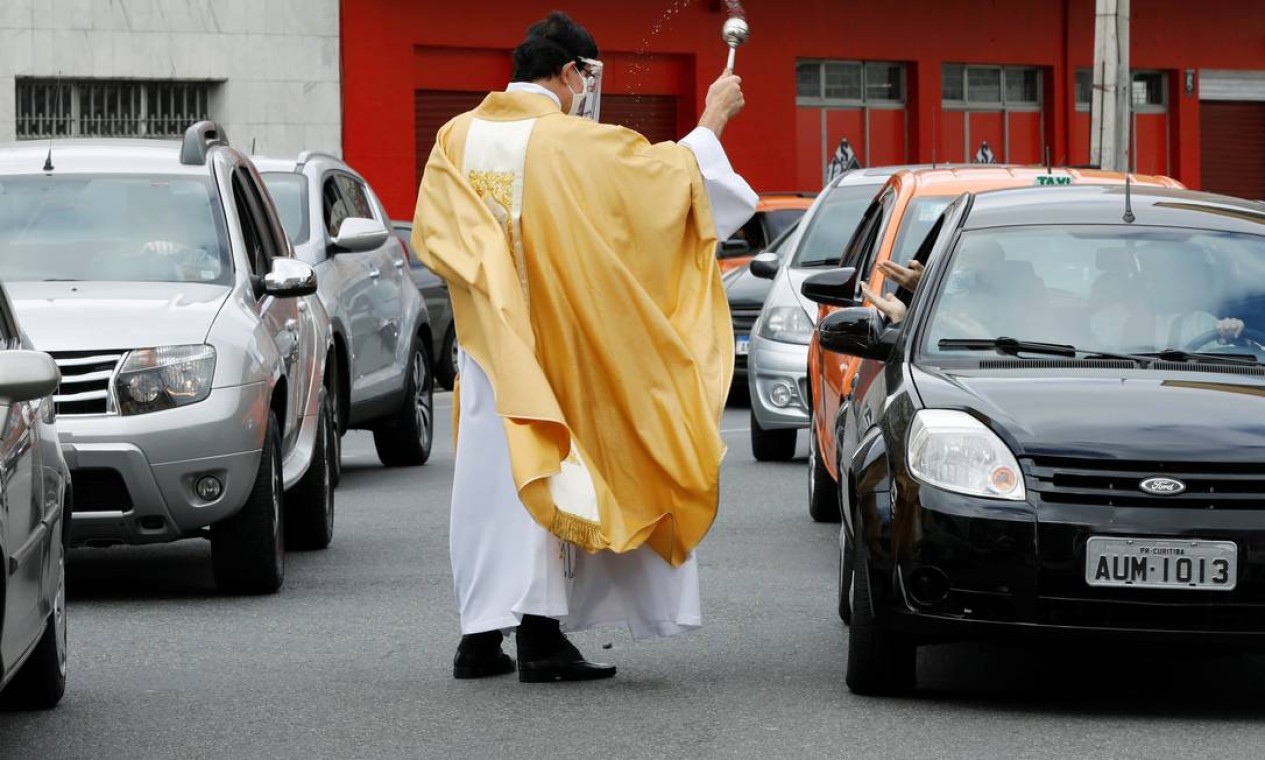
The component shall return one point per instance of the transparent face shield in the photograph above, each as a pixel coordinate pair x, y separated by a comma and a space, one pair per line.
590, 71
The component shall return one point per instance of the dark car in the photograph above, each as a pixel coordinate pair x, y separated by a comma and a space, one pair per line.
1064, 435
435, 293
745, 292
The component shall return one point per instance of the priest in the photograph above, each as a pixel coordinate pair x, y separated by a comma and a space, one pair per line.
596, 354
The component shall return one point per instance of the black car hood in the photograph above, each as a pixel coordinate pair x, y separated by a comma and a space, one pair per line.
744, 290
1139, 415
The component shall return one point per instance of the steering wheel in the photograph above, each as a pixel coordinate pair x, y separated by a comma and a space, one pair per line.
1244, 339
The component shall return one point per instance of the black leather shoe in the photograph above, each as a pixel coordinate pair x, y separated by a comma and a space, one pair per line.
545, 655
479, 655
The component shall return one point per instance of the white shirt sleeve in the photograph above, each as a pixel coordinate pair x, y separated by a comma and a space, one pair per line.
733, 201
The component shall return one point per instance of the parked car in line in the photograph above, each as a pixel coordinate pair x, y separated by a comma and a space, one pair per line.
438, 304
383, 342
892, 229
1063, 435
774, 214
194, 400
35, 486
778, 352
746, 293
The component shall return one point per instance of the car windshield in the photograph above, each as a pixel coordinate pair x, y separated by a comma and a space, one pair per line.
289, 194
1120, 289
781, 220
119, 228
919, 216
832, 225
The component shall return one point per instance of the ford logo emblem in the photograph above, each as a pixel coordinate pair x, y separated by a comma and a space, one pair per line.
1162, 486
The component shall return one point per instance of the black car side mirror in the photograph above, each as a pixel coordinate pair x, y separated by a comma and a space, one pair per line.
857, 331
764, 265
838, 287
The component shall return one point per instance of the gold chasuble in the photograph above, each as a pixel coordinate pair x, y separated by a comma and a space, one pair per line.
581, 264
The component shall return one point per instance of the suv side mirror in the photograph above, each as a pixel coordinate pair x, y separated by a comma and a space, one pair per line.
26, 376
733, 248
837, 287
857, 331
357, 234
290, 278
765, 265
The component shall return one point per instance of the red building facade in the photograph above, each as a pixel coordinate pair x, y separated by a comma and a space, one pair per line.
904, 82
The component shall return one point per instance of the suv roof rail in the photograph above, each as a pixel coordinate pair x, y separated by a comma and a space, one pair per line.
198, 139
308, 155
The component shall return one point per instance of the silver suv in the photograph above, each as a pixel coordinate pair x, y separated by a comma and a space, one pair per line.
382, 378
193, 353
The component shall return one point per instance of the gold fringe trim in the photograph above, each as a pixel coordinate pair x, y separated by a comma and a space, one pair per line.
576, 530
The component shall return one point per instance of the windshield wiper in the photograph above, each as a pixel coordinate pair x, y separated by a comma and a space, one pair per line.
1014, 347
1181, 355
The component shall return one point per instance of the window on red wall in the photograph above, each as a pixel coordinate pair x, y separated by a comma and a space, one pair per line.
990, 114
1149, 130
854, 106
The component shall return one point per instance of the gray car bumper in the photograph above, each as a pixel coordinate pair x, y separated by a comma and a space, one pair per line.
770, 364
134, 477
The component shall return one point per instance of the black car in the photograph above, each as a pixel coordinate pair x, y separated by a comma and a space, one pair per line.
1064, 435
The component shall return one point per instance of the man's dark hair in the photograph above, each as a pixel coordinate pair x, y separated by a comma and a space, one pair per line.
551, 44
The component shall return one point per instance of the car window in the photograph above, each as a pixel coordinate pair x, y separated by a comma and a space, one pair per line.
289, 195
333, 206
355, 196
117, 228
779, 221
920, 215
1141, 289
832, 225
252, 234
864, 237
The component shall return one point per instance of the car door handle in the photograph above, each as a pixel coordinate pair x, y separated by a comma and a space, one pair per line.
375, 273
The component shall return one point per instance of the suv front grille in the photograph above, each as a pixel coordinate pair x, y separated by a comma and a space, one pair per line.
1064, 480
85, 380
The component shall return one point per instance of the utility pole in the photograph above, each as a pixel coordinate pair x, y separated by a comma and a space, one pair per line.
1112, 104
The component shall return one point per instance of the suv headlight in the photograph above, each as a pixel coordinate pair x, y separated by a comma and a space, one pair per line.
152, 379
787, 324
954, 451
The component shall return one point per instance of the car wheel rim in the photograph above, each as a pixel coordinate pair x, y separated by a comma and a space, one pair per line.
452, 357
59, 615
421, 400
336, 454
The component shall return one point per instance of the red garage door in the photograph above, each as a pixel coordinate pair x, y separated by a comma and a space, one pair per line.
1232, 148
654, 116
433, 109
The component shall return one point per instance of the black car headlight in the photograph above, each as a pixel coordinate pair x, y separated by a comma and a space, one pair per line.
152, 379
952, 450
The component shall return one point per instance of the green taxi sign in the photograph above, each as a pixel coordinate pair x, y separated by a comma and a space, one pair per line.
1050, 179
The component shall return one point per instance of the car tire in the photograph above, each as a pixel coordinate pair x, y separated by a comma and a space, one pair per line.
334, 390
41, 682
823, 492
880, 662
405, 439
446, 365
772, 445
248, 549
309, 506
847, 573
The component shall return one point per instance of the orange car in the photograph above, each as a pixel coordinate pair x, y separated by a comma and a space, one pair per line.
774, 213
892, 229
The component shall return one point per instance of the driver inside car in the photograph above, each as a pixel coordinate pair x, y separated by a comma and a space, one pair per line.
1171, 306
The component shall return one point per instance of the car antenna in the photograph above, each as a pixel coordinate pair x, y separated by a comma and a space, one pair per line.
48, 160
1128, 199
252, 146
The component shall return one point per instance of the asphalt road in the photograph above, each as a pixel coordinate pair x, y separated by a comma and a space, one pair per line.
352, 659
